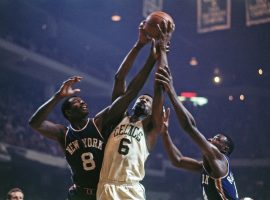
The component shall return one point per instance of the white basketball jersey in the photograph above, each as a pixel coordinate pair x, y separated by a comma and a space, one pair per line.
125, 153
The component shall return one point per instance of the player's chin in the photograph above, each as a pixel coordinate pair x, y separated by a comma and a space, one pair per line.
141, 111
139, 108
85, 113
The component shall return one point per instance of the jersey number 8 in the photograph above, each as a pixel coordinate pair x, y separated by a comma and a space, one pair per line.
88, 161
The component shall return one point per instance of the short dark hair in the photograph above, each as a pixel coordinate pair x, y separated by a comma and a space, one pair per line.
11, 191
230, 145
66, 105
147, 94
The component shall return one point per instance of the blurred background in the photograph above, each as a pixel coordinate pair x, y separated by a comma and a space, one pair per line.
219, 58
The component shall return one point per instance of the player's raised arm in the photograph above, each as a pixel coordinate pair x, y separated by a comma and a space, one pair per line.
214, 157
119, 106
38, 120
119, 86
174, 154
153, 123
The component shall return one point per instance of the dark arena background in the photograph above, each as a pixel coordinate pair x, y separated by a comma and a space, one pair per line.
220, 54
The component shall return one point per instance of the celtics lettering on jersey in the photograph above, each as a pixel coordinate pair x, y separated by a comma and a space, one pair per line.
87, 142
129, 129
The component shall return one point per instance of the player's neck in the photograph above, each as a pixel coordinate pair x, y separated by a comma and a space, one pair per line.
135, 118
79, 124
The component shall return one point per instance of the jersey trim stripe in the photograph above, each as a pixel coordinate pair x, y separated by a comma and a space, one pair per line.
66, 136
218, 185
77, 130
227, 173
97, 129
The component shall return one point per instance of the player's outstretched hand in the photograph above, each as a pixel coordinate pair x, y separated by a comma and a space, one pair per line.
66, 88
165, 35
163, 76
143, 38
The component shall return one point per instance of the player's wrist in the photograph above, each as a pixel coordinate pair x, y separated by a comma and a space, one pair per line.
58, 95
162, 46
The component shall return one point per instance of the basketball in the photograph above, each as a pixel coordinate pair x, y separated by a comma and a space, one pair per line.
153, 19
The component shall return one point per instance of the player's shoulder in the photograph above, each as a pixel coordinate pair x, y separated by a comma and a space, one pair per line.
62, 129
63, 132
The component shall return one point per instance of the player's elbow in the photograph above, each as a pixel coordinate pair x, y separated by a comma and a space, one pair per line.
33, 124
30, 122
176, 162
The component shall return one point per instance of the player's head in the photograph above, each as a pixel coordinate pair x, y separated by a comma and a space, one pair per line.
15, 194
74, 108
224, 143
143, 105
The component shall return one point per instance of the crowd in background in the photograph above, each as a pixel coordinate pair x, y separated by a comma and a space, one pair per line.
81, 60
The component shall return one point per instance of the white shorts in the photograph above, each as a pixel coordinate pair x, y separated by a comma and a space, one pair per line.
117, 191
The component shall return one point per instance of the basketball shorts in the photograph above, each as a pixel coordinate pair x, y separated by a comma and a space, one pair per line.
81, 193
117, 191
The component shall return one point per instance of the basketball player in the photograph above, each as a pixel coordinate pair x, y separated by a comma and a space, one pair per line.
217, 179
15, 194
131, 141
83, 141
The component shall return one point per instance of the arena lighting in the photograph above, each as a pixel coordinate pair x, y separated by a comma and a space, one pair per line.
242, 97
116, 18
192, 97
188, 94
193, 62
217, 79
260, 72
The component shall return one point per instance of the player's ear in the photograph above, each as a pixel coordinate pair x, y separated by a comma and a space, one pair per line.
226, 149
68, 113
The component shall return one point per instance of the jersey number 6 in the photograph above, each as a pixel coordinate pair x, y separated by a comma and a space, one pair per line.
123, 147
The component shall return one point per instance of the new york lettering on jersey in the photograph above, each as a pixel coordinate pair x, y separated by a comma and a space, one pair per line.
219, 189
84, 150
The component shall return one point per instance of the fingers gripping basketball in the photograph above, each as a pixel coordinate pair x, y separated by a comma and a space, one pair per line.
164, 20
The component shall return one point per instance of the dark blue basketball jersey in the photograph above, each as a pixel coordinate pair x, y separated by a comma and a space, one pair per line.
84, 150
219, 189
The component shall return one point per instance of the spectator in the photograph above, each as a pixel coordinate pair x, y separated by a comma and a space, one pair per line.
15, 194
